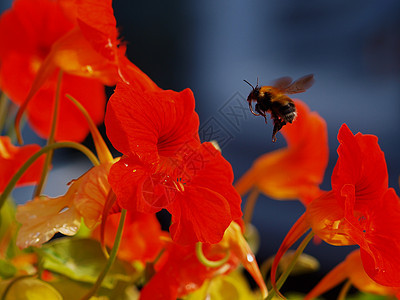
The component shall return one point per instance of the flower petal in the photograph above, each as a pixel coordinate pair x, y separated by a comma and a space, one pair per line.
71, 124
208, 202
75, 55
43, 217
91, 195
151, 124
11, 160
362, 163
240, 248
126, 178
383, 236
141, 238
97, 23
178, 273
208, 168
360, 279
327, 221
202, 215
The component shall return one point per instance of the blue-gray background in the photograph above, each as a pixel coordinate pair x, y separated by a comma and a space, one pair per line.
352, 47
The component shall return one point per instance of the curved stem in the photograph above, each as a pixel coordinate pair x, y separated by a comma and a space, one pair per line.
50, 140
103, 152
345, 289
35, 156
289, 269
210, 263
249, 205
12, 282
111, 259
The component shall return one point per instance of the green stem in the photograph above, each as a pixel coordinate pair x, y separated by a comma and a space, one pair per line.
35, 156
210, 263
3, 110
289, 269
345, 289
12, 282
110, 261
50, 140
9, 126
249, 206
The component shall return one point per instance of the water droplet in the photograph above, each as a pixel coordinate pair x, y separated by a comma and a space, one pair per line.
63, 210
250, 258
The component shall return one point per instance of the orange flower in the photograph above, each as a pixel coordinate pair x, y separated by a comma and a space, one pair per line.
12, 158
141, 238
28, 34
165, 166
360, 209
40, 37
351, 269
296, 171
180, 272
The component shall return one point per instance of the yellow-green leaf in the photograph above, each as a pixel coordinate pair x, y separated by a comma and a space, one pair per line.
82, 260
29, 289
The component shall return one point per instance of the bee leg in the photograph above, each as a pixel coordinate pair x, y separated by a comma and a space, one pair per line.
278, 124
261, 113
251, 109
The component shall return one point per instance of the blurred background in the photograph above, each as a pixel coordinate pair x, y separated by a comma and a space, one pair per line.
352, 47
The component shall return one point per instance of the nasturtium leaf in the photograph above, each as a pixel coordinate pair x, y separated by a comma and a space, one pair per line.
30, 289
232, 286
71, 289
82, 260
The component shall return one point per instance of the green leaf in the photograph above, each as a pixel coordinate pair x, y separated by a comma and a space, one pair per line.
231, 286
70, 289
29, 289
83, 260
7, 270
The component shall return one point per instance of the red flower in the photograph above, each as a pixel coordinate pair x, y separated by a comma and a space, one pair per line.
11, 160
360, 209
179, 271
141, 238
165, 166
28, 32
296, 171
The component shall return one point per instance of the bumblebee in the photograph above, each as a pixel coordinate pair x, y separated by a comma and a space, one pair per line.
274, 99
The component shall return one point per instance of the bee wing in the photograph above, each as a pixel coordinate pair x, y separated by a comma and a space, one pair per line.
300, 85
282, 83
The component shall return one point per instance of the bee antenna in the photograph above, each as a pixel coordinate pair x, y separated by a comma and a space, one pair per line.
257, 80
249, 84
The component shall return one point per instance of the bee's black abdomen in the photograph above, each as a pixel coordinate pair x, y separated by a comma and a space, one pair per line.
288, 111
